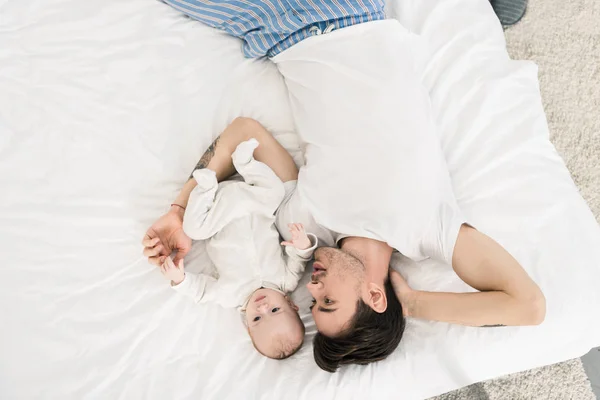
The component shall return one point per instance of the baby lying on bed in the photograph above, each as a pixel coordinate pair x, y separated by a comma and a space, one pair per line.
237, 219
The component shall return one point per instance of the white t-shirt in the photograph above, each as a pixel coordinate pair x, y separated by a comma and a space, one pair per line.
292, 209
374, 163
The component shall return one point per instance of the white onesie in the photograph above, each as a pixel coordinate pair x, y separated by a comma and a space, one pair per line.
237, 220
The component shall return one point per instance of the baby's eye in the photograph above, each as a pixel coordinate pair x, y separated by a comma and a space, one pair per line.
257, 318
313, 301
327, 301
275, 309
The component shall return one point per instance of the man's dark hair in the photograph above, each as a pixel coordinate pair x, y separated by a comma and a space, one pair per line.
371, 337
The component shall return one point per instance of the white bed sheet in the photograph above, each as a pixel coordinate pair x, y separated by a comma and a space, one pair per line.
104, 108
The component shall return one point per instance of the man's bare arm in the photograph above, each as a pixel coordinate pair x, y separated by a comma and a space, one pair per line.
166, 234
218, 155
207, 156
508, 296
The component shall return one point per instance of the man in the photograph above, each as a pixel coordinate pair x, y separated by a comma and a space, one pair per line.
375, 177
355, 308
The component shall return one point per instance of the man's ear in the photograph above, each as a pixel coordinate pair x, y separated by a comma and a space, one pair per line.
377, 299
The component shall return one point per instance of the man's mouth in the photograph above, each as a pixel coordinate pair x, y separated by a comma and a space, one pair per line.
318, 270
318, 267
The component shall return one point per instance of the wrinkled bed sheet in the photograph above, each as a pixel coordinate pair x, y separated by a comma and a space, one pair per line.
105, 106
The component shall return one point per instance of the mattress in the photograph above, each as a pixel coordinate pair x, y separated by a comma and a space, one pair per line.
105, 107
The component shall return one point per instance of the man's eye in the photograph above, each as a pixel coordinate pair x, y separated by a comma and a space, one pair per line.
275, 309
257, 318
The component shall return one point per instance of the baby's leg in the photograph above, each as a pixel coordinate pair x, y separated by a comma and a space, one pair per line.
254, 172
264, 186
201, 201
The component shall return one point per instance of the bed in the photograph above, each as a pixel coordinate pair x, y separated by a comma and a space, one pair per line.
105, 106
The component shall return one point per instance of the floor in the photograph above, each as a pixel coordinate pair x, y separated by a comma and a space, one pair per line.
591, 364
563, 38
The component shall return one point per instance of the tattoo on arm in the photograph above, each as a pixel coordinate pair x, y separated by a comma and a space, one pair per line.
206, 157
491, 326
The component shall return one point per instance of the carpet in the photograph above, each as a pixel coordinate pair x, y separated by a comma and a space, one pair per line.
563, 39
563, 381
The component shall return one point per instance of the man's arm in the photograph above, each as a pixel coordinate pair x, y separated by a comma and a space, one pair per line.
218, 155
166, 234
508, 296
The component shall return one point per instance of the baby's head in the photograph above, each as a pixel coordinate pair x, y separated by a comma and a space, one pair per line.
274, 324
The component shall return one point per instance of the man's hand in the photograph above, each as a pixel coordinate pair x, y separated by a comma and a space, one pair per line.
300, 239
175, 273
404, 293
166, 236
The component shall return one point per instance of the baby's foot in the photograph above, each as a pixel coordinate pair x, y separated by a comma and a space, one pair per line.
203, 195
206, 178
244, 152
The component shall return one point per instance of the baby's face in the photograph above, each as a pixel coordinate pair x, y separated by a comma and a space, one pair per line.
273, 323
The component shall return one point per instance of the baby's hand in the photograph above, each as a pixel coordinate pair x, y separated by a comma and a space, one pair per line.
299, 238
173, 272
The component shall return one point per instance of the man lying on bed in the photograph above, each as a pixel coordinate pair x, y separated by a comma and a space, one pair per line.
356, 307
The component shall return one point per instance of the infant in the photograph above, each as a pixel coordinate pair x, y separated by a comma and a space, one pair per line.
237, 220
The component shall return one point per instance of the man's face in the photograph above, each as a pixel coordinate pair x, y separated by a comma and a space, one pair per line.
336, 286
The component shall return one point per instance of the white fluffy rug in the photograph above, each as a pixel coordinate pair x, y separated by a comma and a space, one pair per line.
563, 381
563, 38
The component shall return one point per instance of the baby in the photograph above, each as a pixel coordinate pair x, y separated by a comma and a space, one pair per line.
237, 220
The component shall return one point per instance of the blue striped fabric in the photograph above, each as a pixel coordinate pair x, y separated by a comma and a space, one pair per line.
270, 26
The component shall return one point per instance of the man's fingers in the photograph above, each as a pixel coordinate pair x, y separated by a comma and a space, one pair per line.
153, 251
150, 252
155, 261
147, 241
286, 244
180, 265
169, 263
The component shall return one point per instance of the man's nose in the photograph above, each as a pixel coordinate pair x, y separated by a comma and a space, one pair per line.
314, 287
